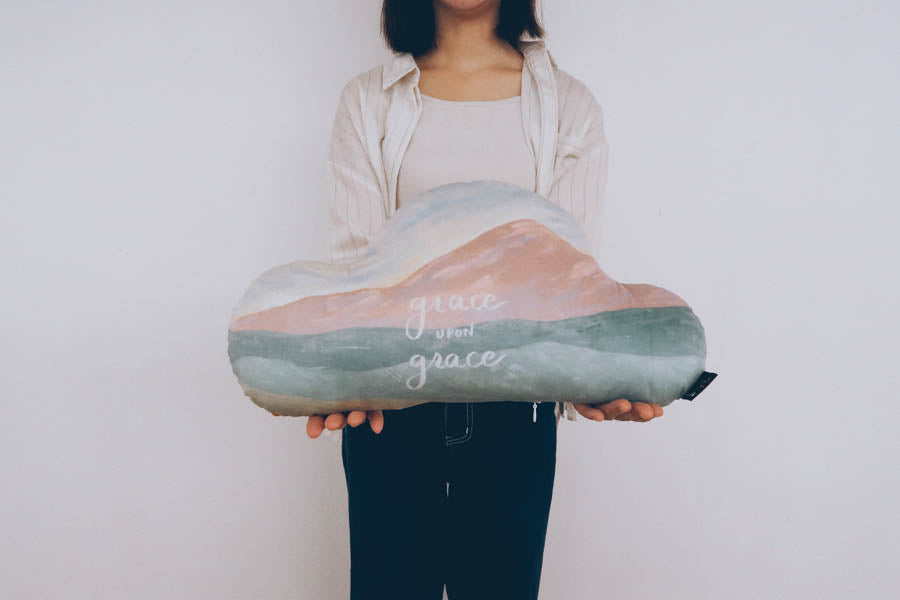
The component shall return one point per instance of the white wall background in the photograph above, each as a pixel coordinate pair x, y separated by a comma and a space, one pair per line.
158, 156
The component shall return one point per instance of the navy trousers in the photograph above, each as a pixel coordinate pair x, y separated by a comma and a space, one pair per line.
450, 493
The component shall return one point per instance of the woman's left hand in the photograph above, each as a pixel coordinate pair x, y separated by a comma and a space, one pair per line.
620, 410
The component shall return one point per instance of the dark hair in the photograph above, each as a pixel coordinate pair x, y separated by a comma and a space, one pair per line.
408, 25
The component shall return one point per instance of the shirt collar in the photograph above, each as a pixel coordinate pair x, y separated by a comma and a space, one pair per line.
403, 62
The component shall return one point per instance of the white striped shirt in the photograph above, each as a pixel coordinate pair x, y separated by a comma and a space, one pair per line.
378, 110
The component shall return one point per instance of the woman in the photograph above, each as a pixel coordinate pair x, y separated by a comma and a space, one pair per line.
442, 492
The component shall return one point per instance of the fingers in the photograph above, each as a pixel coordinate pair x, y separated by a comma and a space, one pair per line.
314, 426
335, 421
356, 417
376, 420
616, 408
623, 410
642, 412
589, 412
619, 410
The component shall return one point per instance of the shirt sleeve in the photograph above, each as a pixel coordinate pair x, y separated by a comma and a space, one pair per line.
580, 171
356, 208
354, 192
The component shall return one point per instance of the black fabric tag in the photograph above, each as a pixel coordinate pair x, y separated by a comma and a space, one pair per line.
698, 386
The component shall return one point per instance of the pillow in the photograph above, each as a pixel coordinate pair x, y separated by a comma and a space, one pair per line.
472, 291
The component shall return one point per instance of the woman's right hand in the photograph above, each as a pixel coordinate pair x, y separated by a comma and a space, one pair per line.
315, 424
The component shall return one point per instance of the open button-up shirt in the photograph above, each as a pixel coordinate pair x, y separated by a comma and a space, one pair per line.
377, 113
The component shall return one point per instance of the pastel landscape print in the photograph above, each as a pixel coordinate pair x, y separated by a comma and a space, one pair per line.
472, 291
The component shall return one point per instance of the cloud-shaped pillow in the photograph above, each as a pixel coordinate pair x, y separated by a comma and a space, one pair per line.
472, 291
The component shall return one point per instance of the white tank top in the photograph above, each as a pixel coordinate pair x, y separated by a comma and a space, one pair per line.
464, 141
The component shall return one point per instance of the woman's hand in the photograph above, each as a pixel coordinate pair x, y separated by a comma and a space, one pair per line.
315, 424
620, 410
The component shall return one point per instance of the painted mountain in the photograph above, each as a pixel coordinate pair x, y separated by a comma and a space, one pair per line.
471, 291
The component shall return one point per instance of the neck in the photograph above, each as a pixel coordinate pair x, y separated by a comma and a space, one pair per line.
465, 38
